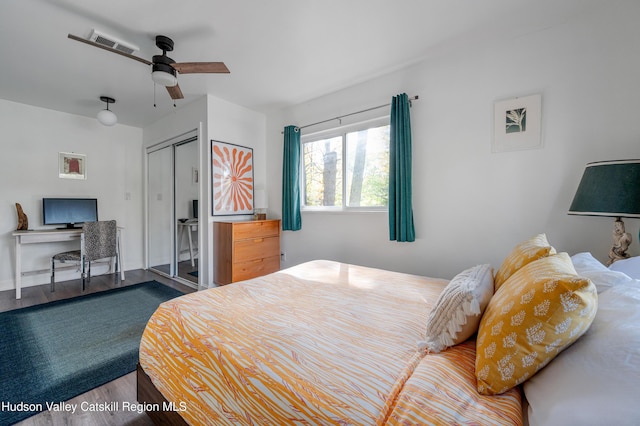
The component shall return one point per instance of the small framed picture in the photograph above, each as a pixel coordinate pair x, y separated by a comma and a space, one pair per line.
517, 124
72, 166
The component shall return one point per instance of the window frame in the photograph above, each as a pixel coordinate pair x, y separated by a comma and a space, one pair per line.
340, 131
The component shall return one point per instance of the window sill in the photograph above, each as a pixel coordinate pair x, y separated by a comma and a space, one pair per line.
344, 211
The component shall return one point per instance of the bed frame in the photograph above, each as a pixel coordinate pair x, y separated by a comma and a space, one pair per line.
147, 393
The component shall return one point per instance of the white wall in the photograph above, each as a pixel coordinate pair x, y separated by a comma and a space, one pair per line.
32, 139
472, 206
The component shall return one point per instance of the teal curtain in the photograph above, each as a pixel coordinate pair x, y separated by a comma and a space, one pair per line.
400, 199
291, 219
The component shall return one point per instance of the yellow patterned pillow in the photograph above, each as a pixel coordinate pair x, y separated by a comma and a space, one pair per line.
525, 252
538, 312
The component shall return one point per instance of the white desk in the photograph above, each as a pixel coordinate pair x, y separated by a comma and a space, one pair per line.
50, 236
188, 226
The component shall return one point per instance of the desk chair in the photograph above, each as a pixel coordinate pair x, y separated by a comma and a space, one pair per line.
98, 241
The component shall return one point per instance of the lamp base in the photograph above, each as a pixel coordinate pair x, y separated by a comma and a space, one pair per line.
621, 242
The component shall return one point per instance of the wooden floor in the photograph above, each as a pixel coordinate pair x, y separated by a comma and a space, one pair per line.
120, 390
185, 270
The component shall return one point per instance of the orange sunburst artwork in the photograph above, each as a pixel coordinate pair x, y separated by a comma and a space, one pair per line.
232, 178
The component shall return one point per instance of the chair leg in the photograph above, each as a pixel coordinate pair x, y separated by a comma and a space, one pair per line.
53, 275
83, 274
117, 268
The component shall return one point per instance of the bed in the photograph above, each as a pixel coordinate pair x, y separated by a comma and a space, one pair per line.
547, 340
318, 343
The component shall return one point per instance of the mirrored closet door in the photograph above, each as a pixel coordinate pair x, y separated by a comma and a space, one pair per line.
187, 181
173, 184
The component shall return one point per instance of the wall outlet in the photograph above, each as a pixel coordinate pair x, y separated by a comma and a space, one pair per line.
283, 257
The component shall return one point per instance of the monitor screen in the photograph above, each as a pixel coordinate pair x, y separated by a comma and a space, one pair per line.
194, 208
69, 211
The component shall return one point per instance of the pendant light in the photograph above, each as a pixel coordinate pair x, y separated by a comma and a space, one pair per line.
105, 116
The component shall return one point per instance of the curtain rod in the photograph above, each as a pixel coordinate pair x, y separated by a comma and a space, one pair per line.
298, 128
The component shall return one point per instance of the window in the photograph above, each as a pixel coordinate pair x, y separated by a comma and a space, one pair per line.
347, 168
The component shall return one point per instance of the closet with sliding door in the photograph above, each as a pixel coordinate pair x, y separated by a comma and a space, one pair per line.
173, 188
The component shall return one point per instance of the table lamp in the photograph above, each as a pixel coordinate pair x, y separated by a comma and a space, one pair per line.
610, 188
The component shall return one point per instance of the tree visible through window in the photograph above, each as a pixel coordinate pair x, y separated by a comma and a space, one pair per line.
349, 170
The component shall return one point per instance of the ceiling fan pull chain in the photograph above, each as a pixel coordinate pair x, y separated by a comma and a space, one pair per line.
154, 95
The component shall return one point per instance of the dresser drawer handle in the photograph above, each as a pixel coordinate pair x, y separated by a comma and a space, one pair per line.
258, 240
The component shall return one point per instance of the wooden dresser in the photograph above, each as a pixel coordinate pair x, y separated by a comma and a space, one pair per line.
244, 250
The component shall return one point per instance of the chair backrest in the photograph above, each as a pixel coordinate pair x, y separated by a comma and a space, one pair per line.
100, 239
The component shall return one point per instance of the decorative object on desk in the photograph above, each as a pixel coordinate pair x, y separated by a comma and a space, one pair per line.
517, 124
72, 166
231, 178
23, 221
612, 189
104, 330
261, 203
106, 117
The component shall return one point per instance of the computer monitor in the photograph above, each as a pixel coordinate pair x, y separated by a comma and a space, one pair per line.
194, 208
69, 212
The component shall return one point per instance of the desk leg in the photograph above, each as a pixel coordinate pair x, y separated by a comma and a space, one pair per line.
193, 263
179, 241
18, 266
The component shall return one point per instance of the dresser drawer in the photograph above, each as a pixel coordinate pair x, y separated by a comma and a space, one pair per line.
255, 248
255, 268
256, 229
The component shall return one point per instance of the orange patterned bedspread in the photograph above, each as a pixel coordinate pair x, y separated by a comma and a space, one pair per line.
320, 343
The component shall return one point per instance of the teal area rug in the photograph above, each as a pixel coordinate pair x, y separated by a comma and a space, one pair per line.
53, 352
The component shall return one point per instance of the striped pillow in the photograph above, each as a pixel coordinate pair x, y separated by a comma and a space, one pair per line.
457, 312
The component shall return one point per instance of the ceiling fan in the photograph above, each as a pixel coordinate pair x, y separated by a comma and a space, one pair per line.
164, 69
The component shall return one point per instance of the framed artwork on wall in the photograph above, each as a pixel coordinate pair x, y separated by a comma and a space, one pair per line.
231, 179
72, 166
517, 124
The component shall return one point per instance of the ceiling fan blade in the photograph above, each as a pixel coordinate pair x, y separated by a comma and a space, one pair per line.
91, 43
175, 92
200, 67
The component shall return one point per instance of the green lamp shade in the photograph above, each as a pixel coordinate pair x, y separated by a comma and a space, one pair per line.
609, 188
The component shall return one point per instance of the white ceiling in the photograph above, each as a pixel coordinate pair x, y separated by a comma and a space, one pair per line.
280, 52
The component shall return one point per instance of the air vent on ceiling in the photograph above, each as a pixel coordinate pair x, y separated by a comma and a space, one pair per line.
112, 42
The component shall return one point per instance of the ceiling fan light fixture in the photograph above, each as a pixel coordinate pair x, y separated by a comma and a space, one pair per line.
105, 116
164, 75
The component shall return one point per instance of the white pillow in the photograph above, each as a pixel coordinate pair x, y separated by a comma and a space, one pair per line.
629, 266
458, 310
595, 381
589, 267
